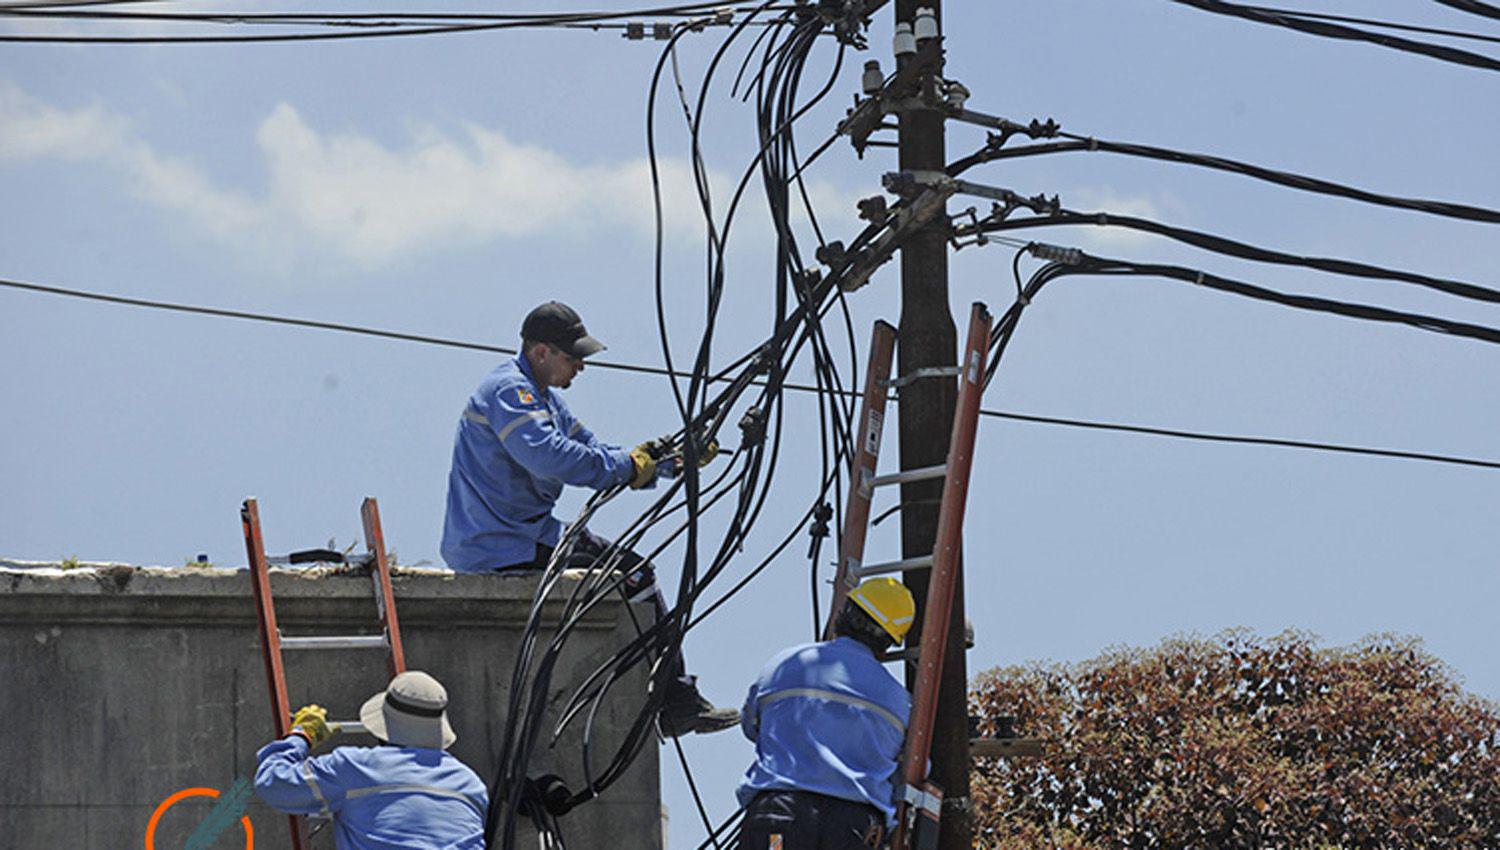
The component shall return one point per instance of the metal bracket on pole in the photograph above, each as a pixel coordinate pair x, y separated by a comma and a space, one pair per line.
902, 92
906, 220
924, 372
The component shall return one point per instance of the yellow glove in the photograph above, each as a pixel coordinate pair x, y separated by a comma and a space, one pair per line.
710, 452
645, 465
311, 722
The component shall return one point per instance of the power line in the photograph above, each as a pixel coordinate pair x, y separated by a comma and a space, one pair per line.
1473, 7
653, 370
994, 150
1052, 215
543, 20
1339, 31
722, 16
1371, 22
1180, 434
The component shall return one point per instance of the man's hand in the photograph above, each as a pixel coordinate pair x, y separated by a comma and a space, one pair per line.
706, 453
311, 722
644, 458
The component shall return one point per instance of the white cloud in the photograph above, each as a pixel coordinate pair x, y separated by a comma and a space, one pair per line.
1154, 207
30, 128
364, 203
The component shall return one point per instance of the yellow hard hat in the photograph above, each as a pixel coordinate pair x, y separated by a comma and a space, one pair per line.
888, 603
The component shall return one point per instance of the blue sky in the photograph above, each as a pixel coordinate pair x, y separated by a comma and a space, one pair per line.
445, 185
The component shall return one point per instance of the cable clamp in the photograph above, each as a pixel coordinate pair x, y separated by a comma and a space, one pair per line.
970, 228
1043, 129
919, 374
920, 798
821, 516
1055, 253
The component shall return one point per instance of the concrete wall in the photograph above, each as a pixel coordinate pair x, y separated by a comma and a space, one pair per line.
120, 686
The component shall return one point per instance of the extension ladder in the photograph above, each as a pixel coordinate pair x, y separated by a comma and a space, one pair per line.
917, 797
272, 642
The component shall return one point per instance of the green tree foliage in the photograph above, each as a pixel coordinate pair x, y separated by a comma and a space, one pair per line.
1241, 742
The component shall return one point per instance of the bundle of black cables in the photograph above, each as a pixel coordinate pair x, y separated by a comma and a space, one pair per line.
753, 388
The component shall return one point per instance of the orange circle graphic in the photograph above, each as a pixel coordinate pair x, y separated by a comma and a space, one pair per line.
178, 797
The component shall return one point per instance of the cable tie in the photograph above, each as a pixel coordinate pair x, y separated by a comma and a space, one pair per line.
1093, 144
1199, 280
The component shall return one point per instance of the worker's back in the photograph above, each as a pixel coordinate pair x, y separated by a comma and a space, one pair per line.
826, 718
383, 798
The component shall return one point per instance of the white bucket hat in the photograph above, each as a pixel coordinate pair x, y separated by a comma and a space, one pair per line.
410, 713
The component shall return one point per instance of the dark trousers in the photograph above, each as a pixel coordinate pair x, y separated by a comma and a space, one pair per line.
640, 580
802, 820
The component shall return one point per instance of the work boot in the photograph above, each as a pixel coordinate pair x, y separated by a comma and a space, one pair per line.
687, 711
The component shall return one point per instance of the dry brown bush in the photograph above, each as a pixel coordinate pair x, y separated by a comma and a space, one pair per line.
1242, 742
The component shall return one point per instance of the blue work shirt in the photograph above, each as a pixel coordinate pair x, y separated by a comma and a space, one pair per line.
381, 798
827, 718
517, 446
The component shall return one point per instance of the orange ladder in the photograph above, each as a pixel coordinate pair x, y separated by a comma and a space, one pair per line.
917, 796
272, 642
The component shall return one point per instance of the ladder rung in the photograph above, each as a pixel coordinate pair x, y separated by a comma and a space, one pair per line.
910, 653
914, 651
923, 473
348, 727
335, 642
901, 566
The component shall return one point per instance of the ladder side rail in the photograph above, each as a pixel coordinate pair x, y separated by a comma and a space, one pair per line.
270, 642
946, 564
385, 597
866, 456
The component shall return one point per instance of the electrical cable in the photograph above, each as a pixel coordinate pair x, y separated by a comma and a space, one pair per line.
652, 370
1371, 22
538, 21
1242, 250
1242, 439
699, 410
1366, 312
993, 151
64, 11
1339, 31
1473, 7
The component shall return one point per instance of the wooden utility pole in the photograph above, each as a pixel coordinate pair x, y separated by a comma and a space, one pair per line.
928, 339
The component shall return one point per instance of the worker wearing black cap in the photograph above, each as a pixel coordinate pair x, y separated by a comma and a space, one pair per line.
517, 446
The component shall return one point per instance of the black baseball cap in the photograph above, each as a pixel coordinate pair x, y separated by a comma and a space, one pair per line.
558, 324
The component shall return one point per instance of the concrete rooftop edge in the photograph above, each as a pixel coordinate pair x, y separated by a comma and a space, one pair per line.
124, 593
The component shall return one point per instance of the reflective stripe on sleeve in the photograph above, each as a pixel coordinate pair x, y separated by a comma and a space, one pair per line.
476, 417
577, 426
538, 415
415, 789
835, 696
312, 783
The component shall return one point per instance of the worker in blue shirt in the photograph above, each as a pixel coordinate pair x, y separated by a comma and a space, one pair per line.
407, 793
828, 721
517, 446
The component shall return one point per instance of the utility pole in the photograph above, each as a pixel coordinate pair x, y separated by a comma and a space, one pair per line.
928, 339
